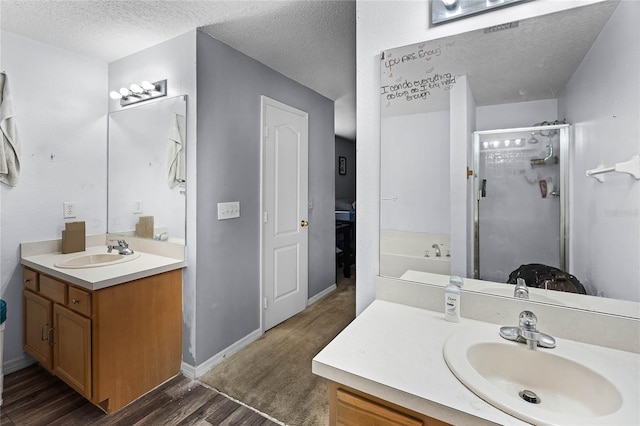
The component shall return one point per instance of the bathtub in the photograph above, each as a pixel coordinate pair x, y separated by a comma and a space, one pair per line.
401, 251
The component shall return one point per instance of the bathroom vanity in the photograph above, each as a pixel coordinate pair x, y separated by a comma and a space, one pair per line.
389, 367
112, 332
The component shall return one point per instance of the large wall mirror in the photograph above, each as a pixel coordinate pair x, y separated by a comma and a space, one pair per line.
147, 170
579, 65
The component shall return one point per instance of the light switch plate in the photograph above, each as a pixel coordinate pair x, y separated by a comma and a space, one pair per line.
229, 210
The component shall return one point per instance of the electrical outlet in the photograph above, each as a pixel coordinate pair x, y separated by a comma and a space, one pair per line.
138, 207
228, 210
69, 209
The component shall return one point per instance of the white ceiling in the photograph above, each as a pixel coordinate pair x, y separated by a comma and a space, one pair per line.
309, 41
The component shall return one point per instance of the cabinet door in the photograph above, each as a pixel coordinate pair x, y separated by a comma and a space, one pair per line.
38, 328
72, 349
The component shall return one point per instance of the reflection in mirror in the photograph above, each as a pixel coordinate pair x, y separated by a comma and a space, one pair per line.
520, 190
580, 65
146, 179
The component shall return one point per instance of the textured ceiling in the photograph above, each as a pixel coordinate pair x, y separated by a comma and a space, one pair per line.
531, 61
313, 42
310, 41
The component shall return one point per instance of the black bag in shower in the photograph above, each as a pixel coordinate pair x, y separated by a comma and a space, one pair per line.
536, 275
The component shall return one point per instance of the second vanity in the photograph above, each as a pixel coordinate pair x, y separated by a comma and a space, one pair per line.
111, 332
387, 366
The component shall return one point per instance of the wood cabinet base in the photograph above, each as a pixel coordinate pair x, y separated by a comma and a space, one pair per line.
137, 343
111, 345
350, 407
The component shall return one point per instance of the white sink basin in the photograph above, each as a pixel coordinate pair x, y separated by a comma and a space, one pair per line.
573, 383
95, 260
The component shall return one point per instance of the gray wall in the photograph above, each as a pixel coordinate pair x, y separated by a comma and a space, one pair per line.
229, 86
346, 184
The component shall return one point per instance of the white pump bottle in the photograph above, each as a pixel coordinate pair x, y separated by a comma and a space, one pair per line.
452, 299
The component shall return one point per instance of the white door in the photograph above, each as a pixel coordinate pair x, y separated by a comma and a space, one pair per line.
284, 207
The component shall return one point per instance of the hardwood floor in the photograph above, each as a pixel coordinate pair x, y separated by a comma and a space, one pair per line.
34, 397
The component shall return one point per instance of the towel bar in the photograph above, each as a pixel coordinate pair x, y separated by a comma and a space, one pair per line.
631, 167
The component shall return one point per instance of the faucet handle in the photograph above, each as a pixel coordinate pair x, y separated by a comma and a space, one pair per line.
528, 320
521, 291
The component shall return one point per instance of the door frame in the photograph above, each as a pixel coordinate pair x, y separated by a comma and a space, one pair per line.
565, 137
264, 100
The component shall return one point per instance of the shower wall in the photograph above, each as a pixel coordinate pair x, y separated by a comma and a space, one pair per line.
519, 218
601, 100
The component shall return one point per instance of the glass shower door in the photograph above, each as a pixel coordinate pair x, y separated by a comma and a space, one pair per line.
520, 213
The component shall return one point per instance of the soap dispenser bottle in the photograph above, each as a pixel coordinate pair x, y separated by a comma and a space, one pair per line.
452, 299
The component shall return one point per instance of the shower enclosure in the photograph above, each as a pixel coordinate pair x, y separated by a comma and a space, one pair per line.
521, 204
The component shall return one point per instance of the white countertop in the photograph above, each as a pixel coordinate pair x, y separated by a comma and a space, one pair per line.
96, 278
394, 352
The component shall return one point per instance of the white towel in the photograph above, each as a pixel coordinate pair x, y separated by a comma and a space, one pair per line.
9, 146
177, 152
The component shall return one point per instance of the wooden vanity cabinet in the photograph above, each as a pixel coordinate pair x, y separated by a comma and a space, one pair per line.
350, 407
111, 345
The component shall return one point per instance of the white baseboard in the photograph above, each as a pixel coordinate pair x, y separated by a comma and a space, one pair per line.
195, 372
322, 294
16, 364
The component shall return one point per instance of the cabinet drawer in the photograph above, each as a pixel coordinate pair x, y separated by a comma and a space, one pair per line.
355, 410
53, 289
30, 279
80, 301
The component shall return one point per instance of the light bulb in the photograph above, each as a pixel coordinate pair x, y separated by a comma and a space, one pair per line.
507, 142
124, 92
148, 86
495, 144
485, 144
519, 141
450, 4
136, 89
115, 95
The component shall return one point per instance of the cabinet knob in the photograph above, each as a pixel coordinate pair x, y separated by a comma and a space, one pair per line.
75, 301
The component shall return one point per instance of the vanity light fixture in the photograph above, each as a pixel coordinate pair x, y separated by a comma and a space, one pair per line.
446, 10
450, 4
140, 92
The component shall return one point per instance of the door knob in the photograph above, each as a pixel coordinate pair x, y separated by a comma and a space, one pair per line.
304, 223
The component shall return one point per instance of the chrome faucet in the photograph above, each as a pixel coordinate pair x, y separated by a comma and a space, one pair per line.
521, 291
527, 333
122, 247
437, 247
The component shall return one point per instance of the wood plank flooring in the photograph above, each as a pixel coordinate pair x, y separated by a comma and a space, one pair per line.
34, 397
